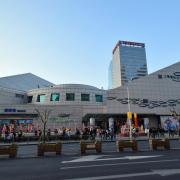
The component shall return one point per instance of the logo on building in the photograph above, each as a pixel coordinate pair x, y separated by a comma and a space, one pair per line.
174, 77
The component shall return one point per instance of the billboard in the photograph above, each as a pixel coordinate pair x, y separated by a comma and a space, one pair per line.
169, 123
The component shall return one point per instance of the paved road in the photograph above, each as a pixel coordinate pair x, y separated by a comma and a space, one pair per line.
127, 165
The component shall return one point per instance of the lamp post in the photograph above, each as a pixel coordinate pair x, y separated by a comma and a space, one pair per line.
129, 114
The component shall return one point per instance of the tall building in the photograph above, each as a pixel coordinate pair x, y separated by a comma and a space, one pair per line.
128, 62
110, 75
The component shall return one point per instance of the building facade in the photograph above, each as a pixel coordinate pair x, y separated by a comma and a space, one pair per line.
74, 105
128, 62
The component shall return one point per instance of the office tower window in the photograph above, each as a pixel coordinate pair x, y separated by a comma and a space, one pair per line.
41, 98
84, 97
70, 96
55, 97
99, 98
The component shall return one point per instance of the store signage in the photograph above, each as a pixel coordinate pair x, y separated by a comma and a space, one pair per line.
132, 43
177, 74
146, 102
128, 43
12, 110
174, 77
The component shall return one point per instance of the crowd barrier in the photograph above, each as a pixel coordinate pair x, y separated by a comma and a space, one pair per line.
84, 145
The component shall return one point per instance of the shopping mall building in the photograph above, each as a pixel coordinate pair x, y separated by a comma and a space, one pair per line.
74, 105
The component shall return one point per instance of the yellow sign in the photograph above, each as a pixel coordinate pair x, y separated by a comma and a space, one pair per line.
129, 115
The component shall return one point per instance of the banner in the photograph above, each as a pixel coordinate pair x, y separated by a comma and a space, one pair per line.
135, 120
146, 123
129, 115
169, 123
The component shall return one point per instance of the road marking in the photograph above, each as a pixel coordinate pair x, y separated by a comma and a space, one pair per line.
84, 159
128, 157
94, 158
161, 172
117, 164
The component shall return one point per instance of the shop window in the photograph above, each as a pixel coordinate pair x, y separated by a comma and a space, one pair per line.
55, 97
84, 97
99, 98
41, 98
70, 96
30, 99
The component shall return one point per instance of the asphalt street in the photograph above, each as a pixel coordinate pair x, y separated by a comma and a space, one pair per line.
113, 165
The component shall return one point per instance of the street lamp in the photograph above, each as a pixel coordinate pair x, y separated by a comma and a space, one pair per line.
129, 114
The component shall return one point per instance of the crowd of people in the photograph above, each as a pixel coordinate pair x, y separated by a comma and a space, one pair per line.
10, 133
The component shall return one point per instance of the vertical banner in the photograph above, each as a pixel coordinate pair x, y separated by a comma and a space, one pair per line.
129, 115
92, 122
146, 123
135, 120
111, 123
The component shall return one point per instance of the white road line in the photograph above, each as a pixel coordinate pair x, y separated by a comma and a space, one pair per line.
94, 158
84, 159
161, 172
115, 164
128, 157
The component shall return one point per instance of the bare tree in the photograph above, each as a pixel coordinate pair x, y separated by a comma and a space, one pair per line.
44, 117
175, 114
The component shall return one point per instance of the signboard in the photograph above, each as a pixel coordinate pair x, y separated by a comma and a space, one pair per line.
12, 110
169, 123
174, 77
128, 43
60, 119
132, 43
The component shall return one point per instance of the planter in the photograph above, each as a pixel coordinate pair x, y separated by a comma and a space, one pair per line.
84, 145
121, 144
47, 147
154, 143
10, 150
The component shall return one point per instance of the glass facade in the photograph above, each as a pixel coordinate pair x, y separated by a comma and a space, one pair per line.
99, 98
41, 98
84, 97
70, 96
55, 97
129, 62
133, 63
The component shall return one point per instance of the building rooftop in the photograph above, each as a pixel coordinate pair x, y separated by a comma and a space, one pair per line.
24, 82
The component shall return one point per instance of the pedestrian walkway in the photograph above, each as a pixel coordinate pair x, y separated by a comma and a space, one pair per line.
29, 150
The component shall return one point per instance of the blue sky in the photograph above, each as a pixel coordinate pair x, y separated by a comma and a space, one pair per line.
71, 41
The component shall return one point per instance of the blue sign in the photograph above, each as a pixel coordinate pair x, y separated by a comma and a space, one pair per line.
12, 110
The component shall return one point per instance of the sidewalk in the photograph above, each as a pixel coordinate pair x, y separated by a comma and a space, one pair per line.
29, 149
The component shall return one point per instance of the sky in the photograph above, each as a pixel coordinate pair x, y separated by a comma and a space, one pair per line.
71, 41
